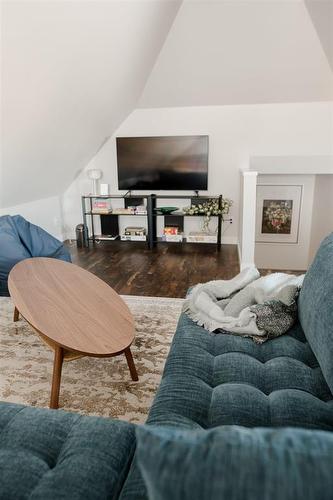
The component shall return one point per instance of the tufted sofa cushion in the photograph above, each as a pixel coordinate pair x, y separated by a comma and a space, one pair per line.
212, 380
316, 307
50, 455
220, 379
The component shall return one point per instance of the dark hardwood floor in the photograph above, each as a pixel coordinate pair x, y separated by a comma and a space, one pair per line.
167, 271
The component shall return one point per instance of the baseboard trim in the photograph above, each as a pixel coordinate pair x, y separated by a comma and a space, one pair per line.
230, 240
239, 252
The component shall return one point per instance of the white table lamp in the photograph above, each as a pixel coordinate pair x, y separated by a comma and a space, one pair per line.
94, 174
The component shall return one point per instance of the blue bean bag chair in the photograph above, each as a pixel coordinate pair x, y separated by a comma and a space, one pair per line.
19, 240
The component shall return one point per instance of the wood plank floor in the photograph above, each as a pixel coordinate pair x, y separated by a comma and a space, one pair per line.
167, 271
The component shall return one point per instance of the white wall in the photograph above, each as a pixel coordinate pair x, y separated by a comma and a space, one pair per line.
45, 213
322, 218
236, 133
286, 256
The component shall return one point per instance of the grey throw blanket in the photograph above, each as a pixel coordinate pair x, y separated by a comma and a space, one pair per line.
247, 305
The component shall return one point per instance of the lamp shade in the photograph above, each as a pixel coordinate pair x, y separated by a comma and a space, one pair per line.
94, 174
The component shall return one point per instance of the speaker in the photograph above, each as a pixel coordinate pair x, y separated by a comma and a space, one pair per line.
133, 202
109, 225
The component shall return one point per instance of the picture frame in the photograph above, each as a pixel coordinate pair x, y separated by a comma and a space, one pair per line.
278, 213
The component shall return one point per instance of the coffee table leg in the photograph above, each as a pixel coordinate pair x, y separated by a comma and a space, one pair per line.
16, 314
131, 364
56, 377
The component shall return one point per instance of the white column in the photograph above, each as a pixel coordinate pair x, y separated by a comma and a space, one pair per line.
247, 218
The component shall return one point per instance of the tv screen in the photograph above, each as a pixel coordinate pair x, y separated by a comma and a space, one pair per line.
170, 163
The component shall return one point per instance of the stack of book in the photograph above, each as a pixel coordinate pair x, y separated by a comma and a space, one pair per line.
124, 211
134, 233
101, 206
199, 237
141, 210
172, 233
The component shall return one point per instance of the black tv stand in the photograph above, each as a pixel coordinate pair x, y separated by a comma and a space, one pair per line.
151, 216
196, 192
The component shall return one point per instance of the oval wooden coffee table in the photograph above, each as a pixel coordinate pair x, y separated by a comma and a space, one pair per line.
74, 312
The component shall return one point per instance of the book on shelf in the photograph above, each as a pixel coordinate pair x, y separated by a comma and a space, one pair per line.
124, 211
101, 211
135, 231
141, 210
176, 238
133, 237
200, 237
101, 207
171, 230
105, 237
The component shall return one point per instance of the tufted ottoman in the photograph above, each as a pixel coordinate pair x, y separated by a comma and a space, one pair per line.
50, 454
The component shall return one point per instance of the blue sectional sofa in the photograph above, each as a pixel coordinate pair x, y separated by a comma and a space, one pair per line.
19, 240
232, 420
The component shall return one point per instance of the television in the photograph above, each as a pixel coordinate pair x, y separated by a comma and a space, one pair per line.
168, 163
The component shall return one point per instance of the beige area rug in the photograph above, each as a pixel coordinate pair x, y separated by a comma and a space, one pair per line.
89, 385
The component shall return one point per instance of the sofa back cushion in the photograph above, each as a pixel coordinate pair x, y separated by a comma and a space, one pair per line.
316, 308
235, 463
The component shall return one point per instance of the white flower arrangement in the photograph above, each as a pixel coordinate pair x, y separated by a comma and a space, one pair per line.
208, 209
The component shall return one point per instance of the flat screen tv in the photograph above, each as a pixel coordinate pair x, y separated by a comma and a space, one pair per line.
170, 163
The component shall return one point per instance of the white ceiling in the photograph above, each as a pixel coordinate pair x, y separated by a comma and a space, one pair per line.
240, 52
71, 72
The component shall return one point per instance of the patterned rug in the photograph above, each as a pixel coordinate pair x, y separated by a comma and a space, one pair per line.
90, 386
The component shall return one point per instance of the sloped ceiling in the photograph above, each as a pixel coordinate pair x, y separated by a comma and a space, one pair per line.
321, 12
241, 52
71, 72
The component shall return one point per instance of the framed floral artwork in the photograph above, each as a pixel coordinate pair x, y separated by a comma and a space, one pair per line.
278, 213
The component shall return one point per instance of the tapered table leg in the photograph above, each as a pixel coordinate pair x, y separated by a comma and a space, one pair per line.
56, 377
16, 314
131, 364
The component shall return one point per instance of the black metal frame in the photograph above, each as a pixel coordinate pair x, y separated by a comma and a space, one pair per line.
151, 214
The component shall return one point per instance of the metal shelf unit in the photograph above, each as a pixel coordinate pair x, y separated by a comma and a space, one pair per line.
151, 216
